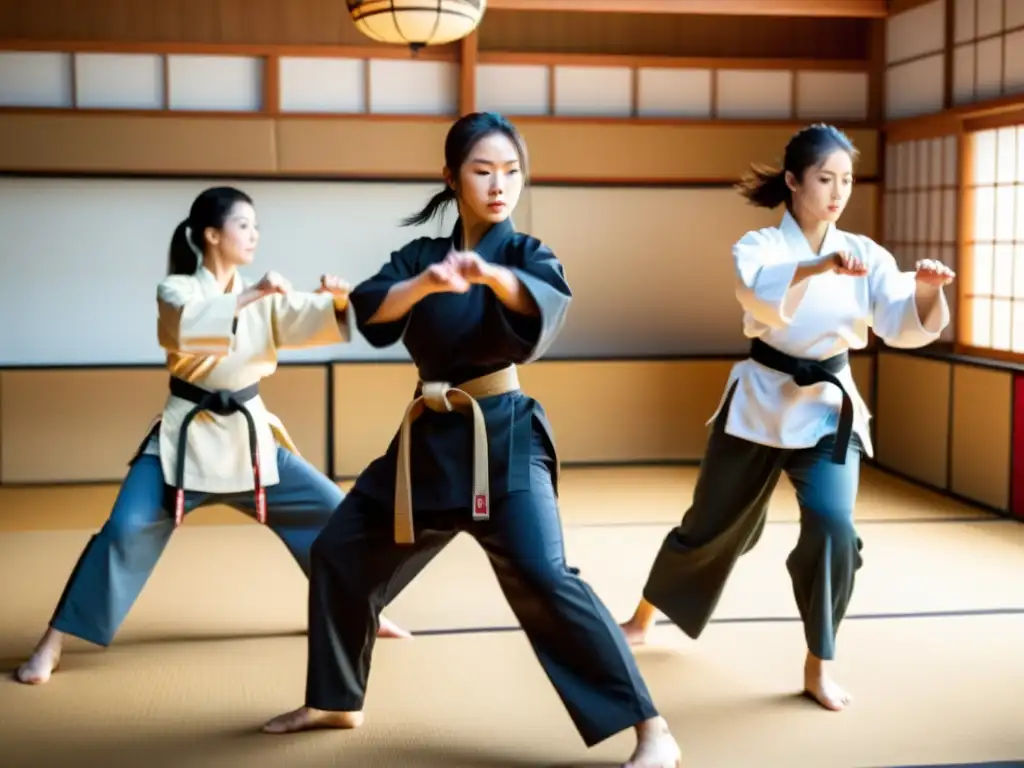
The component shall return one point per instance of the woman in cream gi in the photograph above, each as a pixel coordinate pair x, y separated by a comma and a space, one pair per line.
809, 292
215, 441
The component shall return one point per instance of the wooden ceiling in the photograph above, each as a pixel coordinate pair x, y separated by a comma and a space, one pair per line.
860, 9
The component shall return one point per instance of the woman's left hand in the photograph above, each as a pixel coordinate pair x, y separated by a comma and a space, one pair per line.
338, 288
471, 266
934, 273
333, 285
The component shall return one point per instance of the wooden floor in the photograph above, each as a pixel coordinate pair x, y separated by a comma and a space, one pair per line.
931, 648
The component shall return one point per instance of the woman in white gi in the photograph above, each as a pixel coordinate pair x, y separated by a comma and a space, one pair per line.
809, 292
215, 441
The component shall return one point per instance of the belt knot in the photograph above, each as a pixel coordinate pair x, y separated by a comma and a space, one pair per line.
435, 396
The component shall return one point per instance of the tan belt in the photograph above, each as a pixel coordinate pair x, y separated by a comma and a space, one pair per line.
441, 397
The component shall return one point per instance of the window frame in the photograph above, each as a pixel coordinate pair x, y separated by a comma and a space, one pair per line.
965, 343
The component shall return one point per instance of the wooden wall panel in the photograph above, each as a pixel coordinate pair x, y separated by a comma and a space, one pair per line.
125, 144
675, 34
298, 395
369, 401
405, 147
78, 425
620, 411
980, 455
326, 22
913, 416
664, 151
949, 422
75, 425
83, 425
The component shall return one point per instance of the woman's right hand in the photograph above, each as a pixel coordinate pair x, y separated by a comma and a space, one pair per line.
842, 263
272, 283
268, 285
442, 278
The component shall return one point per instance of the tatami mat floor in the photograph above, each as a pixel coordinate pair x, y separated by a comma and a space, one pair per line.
933, 649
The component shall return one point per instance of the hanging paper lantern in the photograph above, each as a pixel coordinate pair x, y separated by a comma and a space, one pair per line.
416, 23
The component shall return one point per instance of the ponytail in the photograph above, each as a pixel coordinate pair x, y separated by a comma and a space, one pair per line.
433, 208
183, 259
765, 187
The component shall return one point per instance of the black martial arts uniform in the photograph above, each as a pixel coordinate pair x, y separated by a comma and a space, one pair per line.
357, 567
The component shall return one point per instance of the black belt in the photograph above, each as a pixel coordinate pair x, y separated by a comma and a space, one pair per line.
808, 372
223, 403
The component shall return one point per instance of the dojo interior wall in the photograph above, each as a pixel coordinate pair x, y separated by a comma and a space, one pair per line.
639, 209
946, 419
640, 147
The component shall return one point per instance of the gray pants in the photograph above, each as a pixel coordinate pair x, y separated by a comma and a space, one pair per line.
727, 517
117, 561
358, 568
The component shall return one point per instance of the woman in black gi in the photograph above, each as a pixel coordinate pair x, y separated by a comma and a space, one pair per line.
480, 458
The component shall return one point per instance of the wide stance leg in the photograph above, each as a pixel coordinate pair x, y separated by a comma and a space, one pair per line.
572, 633
726, 519
824, 562
299, 506
118, 561
111, 571
355, 569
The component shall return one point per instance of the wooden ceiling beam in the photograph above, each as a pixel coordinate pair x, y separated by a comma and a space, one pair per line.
863, 9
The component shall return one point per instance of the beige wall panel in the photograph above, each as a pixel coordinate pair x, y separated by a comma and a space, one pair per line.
369, 402
136, 143
913, 416
75, 425
863, 367
602, 411
392, 148
981, 438
297, 394
82, 425
625, 411
655, 151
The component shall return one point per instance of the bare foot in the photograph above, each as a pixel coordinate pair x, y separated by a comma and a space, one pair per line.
821, 688
388, 628
655, 747
640, 623
43, 661
635, 632
307, 718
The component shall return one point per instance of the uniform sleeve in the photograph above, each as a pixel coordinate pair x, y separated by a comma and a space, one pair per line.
542, 275
367, 297
763, 281
893, 296
190, 323
303, 320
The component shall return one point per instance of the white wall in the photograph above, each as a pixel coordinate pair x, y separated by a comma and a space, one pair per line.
80, 261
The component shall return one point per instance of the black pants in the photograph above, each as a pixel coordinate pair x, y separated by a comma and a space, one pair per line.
730, 506
356, 569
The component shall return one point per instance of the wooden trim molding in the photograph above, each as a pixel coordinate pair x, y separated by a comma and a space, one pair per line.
670, 62
433, 53
860, 9
991, 113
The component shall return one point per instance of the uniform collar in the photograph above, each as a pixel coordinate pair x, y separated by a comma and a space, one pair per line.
489, 245
209, 281
797, 242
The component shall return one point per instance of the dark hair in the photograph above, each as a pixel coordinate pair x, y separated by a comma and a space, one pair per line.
766, 187
210, 209
462, 137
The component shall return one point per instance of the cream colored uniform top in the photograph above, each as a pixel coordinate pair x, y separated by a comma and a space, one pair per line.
820, 317
195, 328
